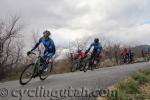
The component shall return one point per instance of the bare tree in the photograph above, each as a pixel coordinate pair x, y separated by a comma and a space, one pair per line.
117, 52
10, 45
113, 50
74, 46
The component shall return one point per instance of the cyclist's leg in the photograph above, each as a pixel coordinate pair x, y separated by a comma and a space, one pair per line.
98, 56
47, 58
91, 60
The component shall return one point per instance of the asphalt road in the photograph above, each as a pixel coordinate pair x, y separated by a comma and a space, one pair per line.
69, 84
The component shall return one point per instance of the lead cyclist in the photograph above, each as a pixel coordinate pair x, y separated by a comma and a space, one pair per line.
49, 45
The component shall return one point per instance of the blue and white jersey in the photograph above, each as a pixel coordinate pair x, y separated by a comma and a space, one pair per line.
48, 44
97, 47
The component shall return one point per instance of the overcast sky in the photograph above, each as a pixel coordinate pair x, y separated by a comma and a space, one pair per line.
123, 20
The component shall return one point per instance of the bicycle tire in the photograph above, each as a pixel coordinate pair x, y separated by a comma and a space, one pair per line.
23, 72
74, 66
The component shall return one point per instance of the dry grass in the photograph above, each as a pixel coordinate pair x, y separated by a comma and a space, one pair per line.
106, 98
136, 87
101, 98
107, 63
62, 66
145, 89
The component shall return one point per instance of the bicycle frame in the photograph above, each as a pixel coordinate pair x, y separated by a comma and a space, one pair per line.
37, 62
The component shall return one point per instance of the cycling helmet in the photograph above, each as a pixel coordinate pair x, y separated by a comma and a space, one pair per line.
47, 32
96, 40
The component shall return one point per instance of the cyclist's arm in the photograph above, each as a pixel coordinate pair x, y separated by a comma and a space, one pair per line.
89, 48
36, 45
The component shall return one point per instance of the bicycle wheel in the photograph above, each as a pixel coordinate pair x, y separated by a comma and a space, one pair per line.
97, 65
91, 64
74, 66
84, 66
43, 75
27, 74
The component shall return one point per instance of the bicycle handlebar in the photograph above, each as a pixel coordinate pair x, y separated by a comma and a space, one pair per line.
33, 53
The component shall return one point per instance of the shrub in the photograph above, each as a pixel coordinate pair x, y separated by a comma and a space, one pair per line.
138, 97
145, 71
140, 77
129, 86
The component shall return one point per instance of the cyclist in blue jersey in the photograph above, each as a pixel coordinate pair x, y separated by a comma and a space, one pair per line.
97, 49
49, 47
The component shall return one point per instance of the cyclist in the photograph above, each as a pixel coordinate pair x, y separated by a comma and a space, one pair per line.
49, 51
81, 54
79, 57
124, 54
97, 49
131, 56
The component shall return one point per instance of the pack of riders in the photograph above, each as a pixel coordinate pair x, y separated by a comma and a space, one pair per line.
97, 49
50, 49
127, 55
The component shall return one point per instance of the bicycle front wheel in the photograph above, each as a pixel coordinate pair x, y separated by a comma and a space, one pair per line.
74, 66
27, 74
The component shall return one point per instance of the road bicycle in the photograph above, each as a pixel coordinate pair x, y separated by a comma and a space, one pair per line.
36, 69
79, 61
93, 63
79, 64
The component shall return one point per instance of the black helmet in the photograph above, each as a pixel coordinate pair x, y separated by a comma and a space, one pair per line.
96, 40
47, 32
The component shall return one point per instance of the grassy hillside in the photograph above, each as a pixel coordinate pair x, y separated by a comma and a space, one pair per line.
136, 87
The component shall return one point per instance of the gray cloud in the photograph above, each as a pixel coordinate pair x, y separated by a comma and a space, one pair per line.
122, 20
